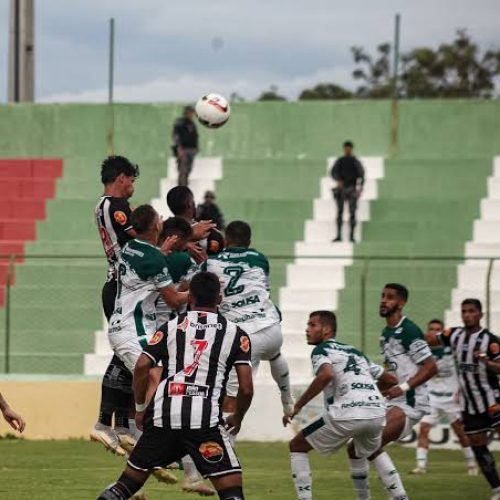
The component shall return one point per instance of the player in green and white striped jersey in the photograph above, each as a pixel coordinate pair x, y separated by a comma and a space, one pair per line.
142, 277
246, 301
354, 407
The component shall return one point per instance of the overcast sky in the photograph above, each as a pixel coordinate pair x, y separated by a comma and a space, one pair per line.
170, 50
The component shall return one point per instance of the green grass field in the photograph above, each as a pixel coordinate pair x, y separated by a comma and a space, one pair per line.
57, 470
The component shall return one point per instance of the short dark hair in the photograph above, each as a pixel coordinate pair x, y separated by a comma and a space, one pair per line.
473, 302
326, 318
142, 218
176, 226
177, 199
348, 144
115, 165
400, 290
239, 233
205, 289
438, 321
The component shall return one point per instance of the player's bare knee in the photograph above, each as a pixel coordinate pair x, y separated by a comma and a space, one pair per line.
299, 444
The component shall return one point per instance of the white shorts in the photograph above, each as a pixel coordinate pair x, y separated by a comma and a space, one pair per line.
266, 345
327, 435
128, 351
447, 408
413, 416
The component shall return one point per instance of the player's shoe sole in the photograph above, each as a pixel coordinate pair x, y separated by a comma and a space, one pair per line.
198, 487
164, 476
108, 440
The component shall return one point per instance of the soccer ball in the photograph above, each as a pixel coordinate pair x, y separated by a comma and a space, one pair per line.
212, 110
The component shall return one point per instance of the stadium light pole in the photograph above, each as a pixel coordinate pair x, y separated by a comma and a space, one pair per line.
111, 74
395, 96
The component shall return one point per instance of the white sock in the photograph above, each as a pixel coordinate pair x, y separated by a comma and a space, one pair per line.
133, 429
389, 476
231, 437
359, 476
469, 456
301, 475
281, 375
422, 458
190, 470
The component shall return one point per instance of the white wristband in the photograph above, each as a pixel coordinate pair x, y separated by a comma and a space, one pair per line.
405, 387
139, 408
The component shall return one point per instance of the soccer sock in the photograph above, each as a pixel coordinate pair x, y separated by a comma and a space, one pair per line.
359, 476
190, 471
301, 475
133, 429
231, 437
121, 420
234, 493
486, 463
469, 456
123, 489
422, 458
389, 476
281, 375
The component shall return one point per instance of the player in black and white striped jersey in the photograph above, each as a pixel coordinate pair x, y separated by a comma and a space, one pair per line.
197, 350
477, 355
112, 216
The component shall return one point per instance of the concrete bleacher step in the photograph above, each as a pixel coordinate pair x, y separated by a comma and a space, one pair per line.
473, 249
205, 167
325, 231
460, 294
490, 209
291, 298
486, 231
316, 277
494, 187
474, 274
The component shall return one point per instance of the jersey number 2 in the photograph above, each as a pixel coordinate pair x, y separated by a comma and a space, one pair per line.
235, 273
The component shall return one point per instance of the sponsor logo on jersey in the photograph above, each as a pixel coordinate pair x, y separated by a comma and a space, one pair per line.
359, 385
211, 451
254, 299
244, 343
187, 390
120, 217
156, 338
206, 326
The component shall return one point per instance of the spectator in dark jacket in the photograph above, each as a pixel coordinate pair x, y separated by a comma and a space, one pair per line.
209, 210
185, 137
350, 177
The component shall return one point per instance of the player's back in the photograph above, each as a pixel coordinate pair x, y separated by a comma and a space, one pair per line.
353, 393
197, 350
142, 271
244, 274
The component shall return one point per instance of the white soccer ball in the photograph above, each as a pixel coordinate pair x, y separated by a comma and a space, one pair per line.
212, 110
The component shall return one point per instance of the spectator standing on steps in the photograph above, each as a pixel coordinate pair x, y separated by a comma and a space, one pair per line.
185, 148
349, 174
209, 210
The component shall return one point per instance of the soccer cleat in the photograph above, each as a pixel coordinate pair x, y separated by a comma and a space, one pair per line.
472, 470
125, 438
418, 470
174, 466
107, 437
163, 476
199, 487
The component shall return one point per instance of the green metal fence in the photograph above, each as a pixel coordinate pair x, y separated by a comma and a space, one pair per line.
51, 305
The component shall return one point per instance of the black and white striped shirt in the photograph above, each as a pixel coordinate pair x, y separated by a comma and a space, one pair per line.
112, 217
197, 350
479, 387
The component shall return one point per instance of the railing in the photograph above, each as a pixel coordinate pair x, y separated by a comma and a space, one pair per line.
51, 305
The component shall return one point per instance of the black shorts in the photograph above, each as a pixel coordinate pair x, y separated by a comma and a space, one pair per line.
210, 450
481, 422
108, 297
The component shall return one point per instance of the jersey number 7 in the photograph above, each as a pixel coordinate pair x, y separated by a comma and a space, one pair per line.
199, 346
